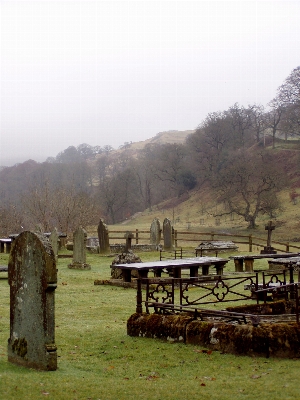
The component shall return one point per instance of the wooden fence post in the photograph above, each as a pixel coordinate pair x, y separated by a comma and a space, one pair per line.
139, 297
287, 247
175, 237
250, 243
137, 236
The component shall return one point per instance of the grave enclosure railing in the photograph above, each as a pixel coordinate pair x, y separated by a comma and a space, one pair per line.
173, 295
191, 238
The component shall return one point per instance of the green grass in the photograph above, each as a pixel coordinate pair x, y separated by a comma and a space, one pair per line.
97, 360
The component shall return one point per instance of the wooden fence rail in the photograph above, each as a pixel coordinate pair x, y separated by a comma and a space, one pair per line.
189, 238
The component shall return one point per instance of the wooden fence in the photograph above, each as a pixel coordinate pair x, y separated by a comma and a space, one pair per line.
190, 238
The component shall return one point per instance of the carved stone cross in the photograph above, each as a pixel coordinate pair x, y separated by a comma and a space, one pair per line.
270, 227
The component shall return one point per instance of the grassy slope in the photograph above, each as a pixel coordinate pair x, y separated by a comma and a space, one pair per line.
197, 209
97, 360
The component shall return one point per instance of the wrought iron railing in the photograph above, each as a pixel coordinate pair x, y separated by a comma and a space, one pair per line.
192, 294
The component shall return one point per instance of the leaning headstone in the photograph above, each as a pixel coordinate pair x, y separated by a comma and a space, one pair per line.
79, 250
155, 232
103, 238
168, 234
54, 241
32, 278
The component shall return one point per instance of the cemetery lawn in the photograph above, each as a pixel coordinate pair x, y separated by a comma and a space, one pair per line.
97, 360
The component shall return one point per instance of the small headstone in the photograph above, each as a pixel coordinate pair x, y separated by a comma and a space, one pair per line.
103, 238
92, 242
54, 241
168, 234
79, 250
155, 232
39, 228
128, 236
32, 278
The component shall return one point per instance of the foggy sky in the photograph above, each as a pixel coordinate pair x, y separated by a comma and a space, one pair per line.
109, 72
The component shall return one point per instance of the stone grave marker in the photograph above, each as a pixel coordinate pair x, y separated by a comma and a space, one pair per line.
168, 234
103, 238
79, 250
155, 232
54, 241
268, 249
128, 237
32, 277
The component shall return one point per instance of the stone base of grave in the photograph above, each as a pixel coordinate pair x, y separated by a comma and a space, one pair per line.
124, 258
18, 355
268, 339
268, 250
116, 282
79, 266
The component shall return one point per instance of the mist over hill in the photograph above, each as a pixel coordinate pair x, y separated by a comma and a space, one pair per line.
241, 163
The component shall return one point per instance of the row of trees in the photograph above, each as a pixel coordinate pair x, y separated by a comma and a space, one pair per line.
227, 154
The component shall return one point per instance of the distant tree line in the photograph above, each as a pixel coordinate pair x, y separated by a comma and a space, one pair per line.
231, 153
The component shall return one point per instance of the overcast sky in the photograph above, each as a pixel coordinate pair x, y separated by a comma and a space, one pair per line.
109, 72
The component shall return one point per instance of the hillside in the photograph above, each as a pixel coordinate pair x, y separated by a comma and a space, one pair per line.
162, 138
113, 186
195, 210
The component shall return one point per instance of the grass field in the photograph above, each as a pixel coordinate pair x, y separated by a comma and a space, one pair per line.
97, 360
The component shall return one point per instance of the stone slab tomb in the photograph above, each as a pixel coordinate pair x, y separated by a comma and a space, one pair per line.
32, 277
79, 250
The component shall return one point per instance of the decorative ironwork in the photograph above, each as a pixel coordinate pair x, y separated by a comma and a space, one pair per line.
171, 295
219, 292
162, 292
222, 290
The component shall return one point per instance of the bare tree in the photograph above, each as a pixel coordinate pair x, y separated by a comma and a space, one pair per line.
241, 123
273, 118
289, 91
258, 122
246, 183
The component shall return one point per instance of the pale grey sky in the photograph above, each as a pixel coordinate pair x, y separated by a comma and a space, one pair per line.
109, 72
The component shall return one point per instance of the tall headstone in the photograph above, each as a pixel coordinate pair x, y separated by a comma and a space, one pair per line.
155, 232
79, 250
54, 241
103, 238
32, 278
168, 234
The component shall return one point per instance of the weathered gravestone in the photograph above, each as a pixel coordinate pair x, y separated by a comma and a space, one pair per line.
39, 228
168, 234
32, 278
103, 238
128, 237
155, 232
54, 241
92, 244
79, 250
